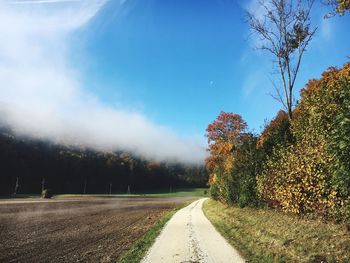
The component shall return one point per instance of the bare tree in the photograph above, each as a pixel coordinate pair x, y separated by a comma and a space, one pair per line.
285, 31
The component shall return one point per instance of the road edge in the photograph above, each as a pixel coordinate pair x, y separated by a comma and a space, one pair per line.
142, 245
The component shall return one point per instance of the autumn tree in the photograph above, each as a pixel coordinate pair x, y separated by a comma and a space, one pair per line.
339, 7
285, 31
224, 135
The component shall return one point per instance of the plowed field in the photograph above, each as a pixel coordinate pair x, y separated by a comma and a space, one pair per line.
88, 229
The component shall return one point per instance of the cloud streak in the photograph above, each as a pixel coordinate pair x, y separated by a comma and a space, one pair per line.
42, 1
41, 95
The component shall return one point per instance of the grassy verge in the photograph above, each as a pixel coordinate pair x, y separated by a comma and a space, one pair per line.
183, 192
266, 235
142, 245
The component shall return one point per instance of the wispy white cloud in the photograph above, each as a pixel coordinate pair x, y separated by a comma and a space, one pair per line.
255, 7
251, 83
326, 28
41, 94
42, 1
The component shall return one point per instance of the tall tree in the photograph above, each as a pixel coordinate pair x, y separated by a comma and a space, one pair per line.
224, 136
285, 31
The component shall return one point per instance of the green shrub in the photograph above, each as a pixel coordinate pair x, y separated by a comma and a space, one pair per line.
245, 171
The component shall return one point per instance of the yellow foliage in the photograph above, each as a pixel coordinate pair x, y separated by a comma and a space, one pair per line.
298, 180
302, 177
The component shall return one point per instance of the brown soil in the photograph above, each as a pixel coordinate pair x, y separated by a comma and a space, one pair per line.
79, 229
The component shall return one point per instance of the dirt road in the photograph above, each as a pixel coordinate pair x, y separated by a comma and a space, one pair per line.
74, 230
190, 237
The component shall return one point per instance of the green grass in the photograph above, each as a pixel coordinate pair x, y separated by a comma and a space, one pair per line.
182, 192
143, 244
267, 235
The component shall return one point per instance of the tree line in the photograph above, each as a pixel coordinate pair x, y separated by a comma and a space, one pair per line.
300, 165
29, 166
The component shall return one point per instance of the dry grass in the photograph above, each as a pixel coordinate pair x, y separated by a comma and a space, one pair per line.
266, 235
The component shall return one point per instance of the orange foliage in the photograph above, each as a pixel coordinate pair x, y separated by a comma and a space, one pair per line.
271, 128
328, 77
223, 134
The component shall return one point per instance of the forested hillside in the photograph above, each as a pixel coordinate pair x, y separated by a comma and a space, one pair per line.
36, 164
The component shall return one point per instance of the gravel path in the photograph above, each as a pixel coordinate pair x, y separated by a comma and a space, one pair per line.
190, 237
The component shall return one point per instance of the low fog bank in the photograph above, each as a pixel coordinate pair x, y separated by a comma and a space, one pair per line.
103, 129
42, 95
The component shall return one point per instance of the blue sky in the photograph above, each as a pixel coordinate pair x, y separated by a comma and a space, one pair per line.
182, 62
145, 76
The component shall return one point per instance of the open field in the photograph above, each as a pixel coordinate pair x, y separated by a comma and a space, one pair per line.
267, 235
88, 229
181, 192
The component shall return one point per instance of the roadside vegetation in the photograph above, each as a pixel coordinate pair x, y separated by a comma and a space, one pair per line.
300, 166
283, 195
266, 235
299, 163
